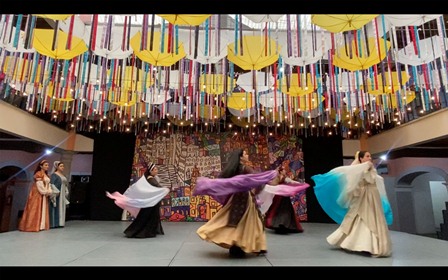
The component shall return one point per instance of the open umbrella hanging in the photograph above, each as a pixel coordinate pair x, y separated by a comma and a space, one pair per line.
264, 81
298, 86
345, 81
386, 86
185, 19
341, 22
429, 50
215, 83
259, 18
409, 20
112, 49
212, 52
363, 59
152, 97
272, 99
209, 112
313, 49
157, 56
173, 79
9, 45
43, 43
240, 100
258, 52
54, 16
391, 99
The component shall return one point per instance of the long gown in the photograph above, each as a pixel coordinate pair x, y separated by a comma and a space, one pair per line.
358, 191
281, 215
142, 200
35, 215
248, 232
58, 208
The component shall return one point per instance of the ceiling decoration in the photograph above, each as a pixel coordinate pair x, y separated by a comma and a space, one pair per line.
301, 72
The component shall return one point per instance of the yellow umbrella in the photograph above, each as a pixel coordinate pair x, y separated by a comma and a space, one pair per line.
391, 99
54, 17
306, 102
364, 59
185, 19
294, 88
207, 112
278, 116
214, 83
256, 54
240, 100
43, 41
126, 98
338, 23
50, 93
157, 57
129, 86
387, 86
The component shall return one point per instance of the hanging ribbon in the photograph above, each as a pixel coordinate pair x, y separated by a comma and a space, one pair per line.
151, 39
17, 31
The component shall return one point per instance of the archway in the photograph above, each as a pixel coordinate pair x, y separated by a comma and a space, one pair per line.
419, 199
13, 195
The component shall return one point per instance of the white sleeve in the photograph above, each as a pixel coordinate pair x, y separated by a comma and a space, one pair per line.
42, 189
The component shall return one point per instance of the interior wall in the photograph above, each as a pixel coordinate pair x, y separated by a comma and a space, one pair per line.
423, 206
23, 124
411, 199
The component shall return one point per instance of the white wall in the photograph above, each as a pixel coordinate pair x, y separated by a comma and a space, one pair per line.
439, 196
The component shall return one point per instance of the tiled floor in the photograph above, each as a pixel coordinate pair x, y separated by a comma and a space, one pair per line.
102, 243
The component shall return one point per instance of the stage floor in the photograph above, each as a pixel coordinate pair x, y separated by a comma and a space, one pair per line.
102, 243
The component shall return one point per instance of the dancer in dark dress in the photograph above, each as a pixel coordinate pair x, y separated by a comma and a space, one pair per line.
142, 200
281, 215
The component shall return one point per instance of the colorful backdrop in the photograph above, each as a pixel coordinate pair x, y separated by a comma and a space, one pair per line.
181, 159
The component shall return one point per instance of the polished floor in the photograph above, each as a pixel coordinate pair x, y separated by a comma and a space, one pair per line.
102, 243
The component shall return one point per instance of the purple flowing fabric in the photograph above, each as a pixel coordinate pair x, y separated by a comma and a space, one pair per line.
221, 188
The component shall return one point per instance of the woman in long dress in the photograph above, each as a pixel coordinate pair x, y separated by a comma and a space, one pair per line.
35, 215
281, 215
142, 201
238, 225
58, 204
354, 196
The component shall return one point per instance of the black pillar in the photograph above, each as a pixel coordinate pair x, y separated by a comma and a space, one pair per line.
113, 155
321, 154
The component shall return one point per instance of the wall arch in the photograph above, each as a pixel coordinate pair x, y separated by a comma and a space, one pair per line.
15, 180
413, 198
407, 177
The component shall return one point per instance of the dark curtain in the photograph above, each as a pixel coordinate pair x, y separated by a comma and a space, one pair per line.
113, 155
321, 154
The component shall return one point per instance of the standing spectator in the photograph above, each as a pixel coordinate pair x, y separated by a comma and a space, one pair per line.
35, 215
59, 203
